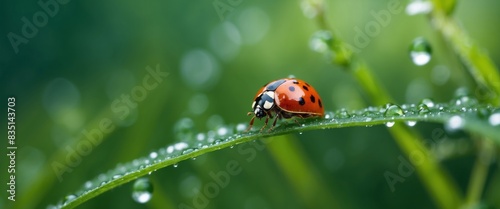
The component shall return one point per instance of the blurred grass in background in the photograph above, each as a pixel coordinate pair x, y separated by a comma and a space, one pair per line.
66, 78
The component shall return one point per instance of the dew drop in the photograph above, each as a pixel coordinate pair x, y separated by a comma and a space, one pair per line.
181, 146
329, 115
170, 149
393, 110
420, 51
390, 124
411, 123
416, 7
116, 176
494, 119
427, 102
187, 151
241, 127
69, 198
88, 185
153, 155
454, 123
176, 165
300, 133
222, 131
320, 41
183, 128
142, 190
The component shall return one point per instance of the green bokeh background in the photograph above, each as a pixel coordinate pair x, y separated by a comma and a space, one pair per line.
66, 78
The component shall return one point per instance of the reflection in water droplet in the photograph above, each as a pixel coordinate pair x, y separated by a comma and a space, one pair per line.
494, 119
253, 23
142, 190
420, 51
390, 124
199, 69
225, 41
198, 104
416, 7
320, 41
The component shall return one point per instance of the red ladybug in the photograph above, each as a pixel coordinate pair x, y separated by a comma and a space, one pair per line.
286, 98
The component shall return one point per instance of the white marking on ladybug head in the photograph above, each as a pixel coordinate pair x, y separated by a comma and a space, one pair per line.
268, 105
270, 94
253, 104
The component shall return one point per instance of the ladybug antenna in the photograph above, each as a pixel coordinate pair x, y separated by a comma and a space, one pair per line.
249, 113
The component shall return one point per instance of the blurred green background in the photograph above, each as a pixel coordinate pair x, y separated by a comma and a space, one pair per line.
83, 59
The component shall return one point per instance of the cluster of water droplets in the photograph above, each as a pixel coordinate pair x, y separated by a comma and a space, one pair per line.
458, 111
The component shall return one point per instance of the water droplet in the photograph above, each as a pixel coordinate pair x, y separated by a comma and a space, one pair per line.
328, 115
300, 133
465, 101
368, 119
222, 131
416, 7
116, 176
69, 198
454, 123
181, 146
320, 41
427, 102
310, 8
420, 51
175, 165
393, 110
88, 185
153, 155
390, 124
170, 149
241, 127
142, 190
494, 119
411, 123
187, 151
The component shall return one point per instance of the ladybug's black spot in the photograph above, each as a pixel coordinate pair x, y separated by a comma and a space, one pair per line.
319, 102
305, 88
295, 82
308, 85
313, 99
301, 101
291, 88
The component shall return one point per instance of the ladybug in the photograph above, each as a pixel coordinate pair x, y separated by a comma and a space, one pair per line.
286, 98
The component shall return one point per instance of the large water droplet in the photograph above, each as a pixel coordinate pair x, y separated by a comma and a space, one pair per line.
454, 123
416, 7
320, 41
420, 51
393, 110
494, 119
142, 190
411, 123
390, 124
69, 198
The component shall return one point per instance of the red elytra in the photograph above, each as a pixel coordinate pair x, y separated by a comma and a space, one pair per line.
286, 98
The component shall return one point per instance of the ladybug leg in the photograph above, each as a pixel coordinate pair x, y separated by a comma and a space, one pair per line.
296, 121
251, 122
278, 115
265, 123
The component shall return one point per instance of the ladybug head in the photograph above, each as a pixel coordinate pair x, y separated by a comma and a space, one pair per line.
263, 103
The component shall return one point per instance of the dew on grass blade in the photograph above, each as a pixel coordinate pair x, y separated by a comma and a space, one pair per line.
393, 110
416, 7
320, 41
420, 51
142, 190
